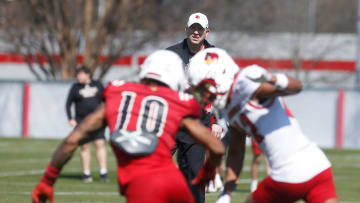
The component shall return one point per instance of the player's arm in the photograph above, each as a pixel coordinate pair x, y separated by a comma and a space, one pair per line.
234, 162
79, 135
44, 189
278, 85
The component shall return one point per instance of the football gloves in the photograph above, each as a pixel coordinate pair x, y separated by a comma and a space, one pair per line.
44, 189
42, 192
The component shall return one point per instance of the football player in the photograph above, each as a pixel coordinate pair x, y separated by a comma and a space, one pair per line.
252, 102
143, 119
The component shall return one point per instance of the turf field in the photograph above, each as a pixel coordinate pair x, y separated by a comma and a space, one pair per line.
22, 162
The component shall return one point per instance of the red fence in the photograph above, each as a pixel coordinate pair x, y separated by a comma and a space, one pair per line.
282, 64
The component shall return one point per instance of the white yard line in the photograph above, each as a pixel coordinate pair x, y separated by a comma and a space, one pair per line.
31, 172
19, 183
26, 160
244, 180
346, 166
3, 144
21, 173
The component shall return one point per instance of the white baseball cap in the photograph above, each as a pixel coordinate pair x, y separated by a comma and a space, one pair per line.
198, 18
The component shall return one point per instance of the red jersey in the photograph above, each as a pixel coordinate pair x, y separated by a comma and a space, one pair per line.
159, 110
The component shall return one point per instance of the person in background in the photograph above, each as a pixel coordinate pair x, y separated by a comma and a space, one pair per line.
190, 155
85, 94
143, 119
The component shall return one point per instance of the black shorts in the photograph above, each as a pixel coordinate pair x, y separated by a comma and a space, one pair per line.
98, 134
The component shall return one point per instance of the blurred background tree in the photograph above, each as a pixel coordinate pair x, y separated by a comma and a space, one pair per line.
60, 30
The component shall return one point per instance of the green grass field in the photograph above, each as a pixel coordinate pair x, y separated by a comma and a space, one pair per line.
22, 162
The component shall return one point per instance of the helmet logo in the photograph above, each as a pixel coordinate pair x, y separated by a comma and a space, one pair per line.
154, 88
211, 58
197, 16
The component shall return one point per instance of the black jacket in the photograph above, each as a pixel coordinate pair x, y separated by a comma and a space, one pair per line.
86, 98
183, 51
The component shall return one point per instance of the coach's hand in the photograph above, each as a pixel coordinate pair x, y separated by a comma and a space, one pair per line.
72, 122
42, 192
216, 130
206, 173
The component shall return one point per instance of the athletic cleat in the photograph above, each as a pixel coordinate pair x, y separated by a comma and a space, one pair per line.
87, 178
104, 178
215, 185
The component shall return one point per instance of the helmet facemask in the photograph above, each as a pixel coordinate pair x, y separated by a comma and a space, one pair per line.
204, 92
